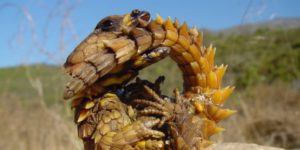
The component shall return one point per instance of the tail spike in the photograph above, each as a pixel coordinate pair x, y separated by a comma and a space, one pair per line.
204, 64
224, 94
176, 23
201, 80
194, 50
217, 97
159, 19
214, 130
223, 114
169, 25
219, 114
221, 95
212, 110
220, 71
199, 39
208, 128
210, 56
184, 30
171, 33
212, 80
194, 31
184, 37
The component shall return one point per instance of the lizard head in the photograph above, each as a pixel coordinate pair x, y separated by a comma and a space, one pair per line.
124, 23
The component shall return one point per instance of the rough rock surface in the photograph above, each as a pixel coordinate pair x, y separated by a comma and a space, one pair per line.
240, 146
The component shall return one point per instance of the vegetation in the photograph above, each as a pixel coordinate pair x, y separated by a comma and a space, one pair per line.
265, 56
264, 65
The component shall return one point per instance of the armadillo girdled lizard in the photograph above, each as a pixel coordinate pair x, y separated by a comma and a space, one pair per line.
113, 54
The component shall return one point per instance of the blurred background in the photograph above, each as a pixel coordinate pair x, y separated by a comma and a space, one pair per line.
258, 39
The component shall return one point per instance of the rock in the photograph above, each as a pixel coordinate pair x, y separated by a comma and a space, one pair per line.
240, 146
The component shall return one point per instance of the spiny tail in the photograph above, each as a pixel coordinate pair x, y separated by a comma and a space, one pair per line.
202, 78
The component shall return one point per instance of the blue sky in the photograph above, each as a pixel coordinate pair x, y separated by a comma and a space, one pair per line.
40, 31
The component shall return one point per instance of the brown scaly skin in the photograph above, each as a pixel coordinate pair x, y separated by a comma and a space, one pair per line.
120, 46
110, 124
99, 125
108, 57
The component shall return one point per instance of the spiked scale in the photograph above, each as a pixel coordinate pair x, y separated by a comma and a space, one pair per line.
202, 77
113, 54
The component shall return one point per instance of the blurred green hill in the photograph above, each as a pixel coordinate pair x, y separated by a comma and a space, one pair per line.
264, 56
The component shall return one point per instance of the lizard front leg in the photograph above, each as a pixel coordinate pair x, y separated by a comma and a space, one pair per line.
157, 106
150, 57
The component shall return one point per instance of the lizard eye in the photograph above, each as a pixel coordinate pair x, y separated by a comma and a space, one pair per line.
105, 25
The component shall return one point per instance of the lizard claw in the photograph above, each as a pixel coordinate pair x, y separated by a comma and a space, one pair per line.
159, 106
